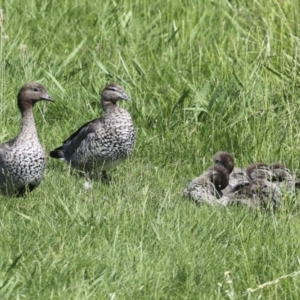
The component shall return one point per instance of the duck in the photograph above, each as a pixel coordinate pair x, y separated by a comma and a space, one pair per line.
208, 186
23, 159
103, 143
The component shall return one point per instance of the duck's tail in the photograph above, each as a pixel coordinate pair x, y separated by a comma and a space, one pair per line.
57, 153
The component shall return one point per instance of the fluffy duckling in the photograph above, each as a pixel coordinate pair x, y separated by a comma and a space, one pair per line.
252, 188
208, 187
283, 177
237, 178
267, 192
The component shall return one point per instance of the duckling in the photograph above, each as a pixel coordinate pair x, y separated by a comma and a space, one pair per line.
237, 178
208, 187
283, 177
266, 191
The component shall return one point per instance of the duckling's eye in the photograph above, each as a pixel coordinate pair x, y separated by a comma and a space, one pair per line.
36, 89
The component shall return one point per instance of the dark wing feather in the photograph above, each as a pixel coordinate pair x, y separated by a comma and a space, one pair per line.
57, 153
73, 135
75, 139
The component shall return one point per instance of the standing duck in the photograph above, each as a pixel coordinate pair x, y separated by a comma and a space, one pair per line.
102, 143
208, 187
23, 159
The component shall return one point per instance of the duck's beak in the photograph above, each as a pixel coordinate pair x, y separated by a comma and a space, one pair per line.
47, 97
124, 97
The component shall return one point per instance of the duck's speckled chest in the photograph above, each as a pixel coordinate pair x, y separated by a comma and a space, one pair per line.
24, 164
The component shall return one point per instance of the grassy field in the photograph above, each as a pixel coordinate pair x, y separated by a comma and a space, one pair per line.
203, 76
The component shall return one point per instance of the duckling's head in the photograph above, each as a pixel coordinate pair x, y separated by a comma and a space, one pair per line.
258, 171
224, 159
280, 171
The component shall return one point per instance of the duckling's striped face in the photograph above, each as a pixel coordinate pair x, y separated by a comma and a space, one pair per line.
113, 93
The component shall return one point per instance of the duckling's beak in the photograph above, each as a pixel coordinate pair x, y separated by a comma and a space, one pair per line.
47, 97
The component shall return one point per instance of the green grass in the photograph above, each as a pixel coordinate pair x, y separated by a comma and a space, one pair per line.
203, 76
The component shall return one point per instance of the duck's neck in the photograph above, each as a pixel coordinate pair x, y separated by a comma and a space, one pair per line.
108, 106
28, 128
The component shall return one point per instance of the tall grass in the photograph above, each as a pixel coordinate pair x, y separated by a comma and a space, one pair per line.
203, 76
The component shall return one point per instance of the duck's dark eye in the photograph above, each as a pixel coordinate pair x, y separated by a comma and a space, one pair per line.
112, 89
36, 89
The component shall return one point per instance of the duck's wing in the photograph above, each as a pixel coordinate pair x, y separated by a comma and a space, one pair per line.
74, 140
